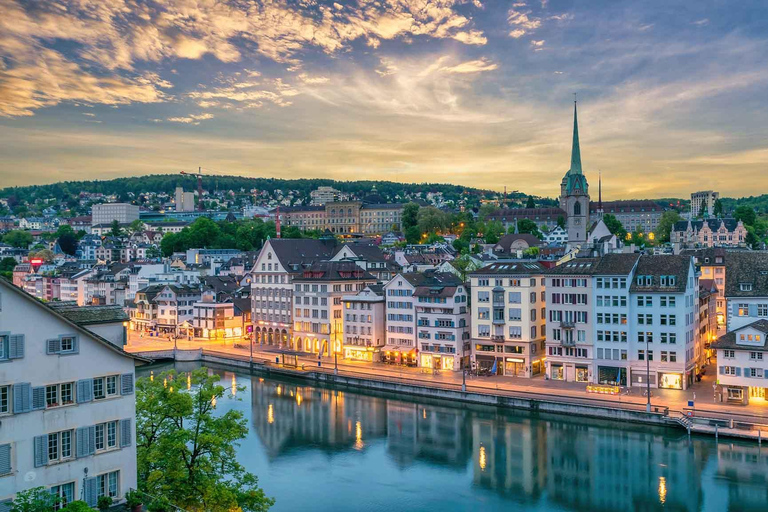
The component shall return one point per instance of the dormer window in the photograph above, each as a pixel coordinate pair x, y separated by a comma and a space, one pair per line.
667, 280
745, 287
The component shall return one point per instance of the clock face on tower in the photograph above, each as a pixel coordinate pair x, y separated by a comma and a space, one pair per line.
577, 222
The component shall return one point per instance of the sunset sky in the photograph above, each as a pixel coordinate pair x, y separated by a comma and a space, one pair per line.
673, 95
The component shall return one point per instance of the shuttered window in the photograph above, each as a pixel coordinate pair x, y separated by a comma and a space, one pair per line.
5, 459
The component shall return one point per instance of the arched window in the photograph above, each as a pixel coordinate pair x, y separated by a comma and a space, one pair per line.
577, 208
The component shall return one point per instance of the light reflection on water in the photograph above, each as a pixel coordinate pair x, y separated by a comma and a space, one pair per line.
316, 448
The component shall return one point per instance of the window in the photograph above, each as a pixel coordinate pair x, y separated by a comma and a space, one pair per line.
60, 446
107, 484
67, 344
5, 399
743, 309
762, 310
106, 436
756, 356
729, 354
745, 287
65, 493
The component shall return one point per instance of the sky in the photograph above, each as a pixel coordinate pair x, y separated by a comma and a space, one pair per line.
672, 95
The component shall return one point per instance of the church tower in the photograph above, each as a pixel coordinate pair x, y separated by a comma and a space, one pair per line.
574, 193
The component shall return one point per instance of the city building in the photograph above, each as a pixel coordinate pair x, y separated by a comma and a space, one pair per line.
688, 234
711, 264
665, 349
324, 195
401, 318
708, 330
364, 324
279, 260
742, 363
305, 218
509, 318
349, 218
185, 201
318, 325
643, 215
175, 308
746, 288
556, 236
107, 213
703, 203
66, 404
370, 258
442, 322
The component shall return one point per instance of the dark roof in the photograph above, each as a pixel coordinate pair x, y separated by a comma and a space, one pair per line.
367, 251
510, 214
746, 268
506, 241
708, 256
619, 264
334, 271
90, 315
296, 252
430, 278
526, 267
729, 340
241, 304
299, 209
382, 206
577, 267
707, 287
662, 265
221, 283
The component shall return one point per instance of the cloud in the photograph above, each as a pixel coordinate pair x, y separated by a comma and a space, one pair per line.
701, 22
537, 45
517, 33
192, 119
522, 22
472, 66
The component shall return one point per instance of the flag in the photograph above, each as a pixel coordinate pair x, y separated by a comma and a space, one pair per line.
493, 368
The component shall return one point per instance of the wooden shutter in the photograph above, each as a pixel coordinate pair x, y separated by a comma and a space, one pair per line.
738, 371
92, 439
16, 346
53, 346
126, 384
5, 459
38, 398
5, 505
125, 433
41, 451
81, 442
84, 390
91, 491
22, 397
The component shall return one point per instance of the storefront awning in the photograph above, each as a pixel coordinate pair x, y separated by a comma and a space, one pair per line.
396, 348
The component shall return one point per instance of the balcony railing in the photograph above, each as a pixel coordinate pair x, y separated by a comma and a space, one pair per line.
568, 343
497, 337
567, 324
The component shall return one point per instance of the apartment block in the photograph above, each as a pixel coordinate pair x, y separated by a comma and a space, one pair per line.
364, 324
742, 363
107, 213
442, 322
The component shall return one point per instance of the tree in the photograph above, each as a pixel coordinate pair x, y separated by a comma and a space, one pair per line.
431, 219
486, 210
410, 215
531, 252
717, 210
18, 238
527, 226
37, 499
153, 252
136, 226
615, 226
44, 254
68, 243
561, 221
745, 214
666, 222
7, 264
115, 229
187, 453
530, 203
493, 231
412, 235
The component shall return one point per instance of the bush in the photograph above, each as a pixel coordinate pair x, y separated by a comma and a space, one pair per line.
160, 505
104, 503
133, 499
77, 506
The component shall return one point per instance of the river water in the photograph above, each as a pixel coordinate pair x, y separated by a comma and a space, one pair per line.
316, 448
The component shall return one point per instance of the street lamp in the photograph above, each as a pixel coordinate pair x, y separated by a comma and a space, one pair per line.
648, 377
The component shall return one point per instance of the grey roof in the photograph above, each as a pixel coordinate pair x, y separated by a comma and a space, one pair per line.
334, 271
525, 268
430, 278
714, 224
662, 265
619, 264
367, 251
729, 340
294, 253
506, 241
627, 206
90, 315
576, 267
746, 268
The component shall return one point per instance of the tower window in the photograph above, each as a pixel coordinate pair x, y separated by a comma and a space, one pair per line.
577, 208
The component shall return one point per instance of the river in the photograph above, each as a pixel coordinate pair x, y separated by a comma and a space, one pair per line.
316, 448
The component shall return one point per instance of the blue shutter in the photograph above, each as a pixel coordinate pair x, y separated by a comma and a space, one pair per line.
126, 384
5, 459
753, 310
81, 442
22, 397
125, 433
38, 398
5, 505
91, 491
84, 390
738, 371
53, 346
16, 346
721, 370
747, 373
41, 451
91, 439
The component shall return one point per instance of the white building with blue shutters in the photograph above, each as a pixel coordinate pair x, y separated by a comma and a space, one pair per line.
742, 364
67, 405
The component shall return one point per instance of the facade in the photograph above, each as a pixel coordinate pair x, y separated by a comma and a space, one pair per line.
278, 262
345, 217
556, 236
401, 319
379, 218
442, 322
318, 325
324, 195
175, 308
66, 404
305, 218
364, 324
214, 319
107, 213
185, 201
711, 264
742, 363
633, 214
687, 234
708, 297
746, 288
369, 257
509, 318
665, 311
547, 218
703, 203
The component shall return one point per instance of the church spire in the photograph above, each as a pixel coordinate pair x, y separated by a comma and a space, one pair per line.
575, 150
600, 194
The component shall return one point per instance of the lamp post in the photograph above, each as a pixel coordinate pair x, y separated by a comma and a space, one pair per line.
648, 377
250, 361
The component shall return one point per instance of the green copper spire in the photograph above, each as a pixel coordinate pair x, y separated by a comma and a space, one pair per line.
575, 150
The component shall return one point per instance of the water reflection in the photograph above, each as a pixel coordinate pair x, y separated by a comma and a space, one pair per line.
526, 462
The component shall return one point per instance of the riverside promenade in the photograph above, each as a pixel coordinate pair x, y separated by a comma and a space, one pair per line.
669, 407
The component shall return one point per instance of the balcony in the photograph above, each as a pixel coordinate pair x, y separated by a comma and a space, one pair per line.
567, 324
498, 321
568, 343
497, 337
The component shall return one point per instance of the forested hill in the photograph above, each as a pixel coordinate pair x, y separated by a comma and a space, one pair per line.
168, 182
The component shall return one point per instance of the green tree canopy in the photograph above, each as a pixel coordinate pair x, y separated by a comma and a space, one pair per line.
667, 221
615, 226
115, 229
68, 243
186, 452
18, 238
530, 203
431, 219
526, 226
717, 210
410, 215
745, 214
37, 499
